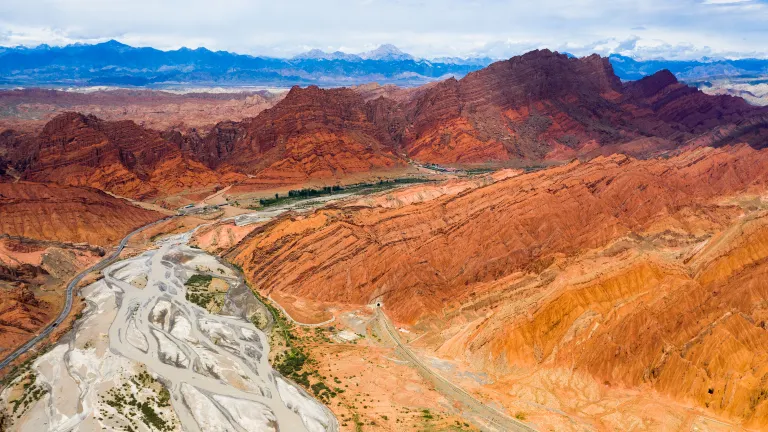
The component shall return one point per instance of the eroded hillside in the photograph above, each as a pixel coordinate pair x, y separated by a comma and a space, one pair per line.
68, 214
619, 273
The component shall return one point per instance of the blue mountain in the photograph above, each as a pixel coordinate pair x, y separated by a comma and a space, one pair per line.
114, 63
628, 68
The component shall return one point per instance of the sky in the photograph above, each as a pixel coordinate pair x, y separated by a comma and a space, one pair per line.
644, 29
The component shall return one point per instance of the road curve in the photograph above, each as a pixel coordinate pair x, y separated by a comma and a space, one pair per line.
300, 324
70, 289
492, 416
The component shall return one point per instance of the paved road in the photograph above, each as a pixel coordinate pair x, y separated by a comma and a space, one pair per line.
494, 418
68, 305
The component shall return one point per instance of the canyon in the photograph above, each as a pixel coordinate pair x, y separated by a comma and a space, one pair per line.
539, 239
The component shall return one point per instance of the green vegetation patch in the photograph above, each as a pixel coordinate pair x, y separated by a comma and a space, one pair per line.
296, 362
198, 293
199, 281
362, 188
478, 171
32, 393
260, 320
135, 404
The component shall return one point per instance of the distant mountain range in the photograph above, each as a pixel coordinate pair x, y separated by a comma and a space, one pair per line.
383, 53
116, 64
628, 68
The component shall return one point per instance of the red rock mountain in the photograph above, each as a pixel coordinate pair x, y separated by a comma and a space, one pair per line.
68, 214
120, 157
536, 107
420, 256
544, 105
311, 133
632, 272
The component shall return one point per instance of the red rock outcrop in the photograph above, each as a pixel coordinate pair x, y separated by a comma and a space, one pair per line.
120, 157
312, 133
431, 252
544, 105
32, 276
541, 106
633, 271
67, 214
21, 314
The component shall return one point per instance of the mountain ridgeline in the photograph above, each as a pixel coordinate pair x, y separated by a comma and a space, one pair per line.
116, 64
540, 107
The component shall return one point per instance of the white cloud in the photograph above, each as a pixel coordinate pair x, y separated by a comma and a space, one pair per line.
426, 28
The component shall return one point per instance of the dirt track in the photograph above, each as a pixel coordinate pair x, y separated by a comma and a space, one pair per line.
481, 414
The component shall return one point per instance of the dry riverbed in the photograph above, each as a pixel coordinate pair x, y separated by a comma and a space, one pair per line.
146, 358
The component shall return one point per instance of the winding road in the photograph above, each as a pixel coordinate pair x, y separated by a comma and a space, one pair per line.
70, 291
492, 417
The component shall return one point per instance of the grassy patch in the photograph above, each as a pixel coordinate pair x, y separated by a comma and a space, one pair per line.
199, 281
260, 320
198, 293
478, 171
144, 408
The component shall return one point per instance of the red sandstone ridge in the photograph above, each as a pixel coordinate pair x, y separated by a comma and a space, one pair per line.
67, 214
541, 106
630, 272
312, 133
544, 105
120, 157
43, 228
419, 257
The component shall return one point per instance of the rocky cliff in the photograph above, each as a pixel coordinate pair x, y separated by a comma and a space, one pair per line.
120, 157
44, 229
534, 108
312, 134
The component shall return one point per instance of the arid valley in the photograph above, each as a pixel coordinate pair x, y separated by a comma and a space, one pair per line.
367, 240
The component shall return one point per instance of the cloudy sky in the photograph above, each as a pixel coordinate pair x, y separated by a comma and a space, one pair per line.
425, 28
